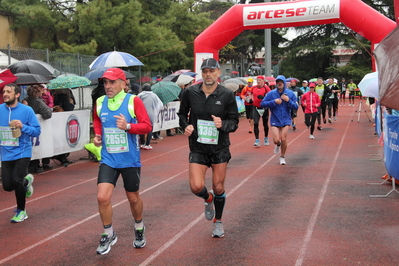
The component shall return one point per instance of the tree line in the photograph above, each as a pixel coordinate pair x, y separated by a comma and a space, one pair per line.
161, 34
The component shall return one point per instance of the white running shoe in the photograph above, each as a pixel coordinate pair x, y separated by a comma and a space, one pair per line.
311, 136
282, 161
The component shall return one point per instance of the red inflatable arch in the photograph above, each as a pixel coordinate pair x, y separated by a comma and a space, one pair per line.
355, 14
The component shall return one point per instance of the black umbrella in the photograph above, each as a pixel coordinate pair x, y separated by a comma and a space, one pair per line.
35, 67
29, 79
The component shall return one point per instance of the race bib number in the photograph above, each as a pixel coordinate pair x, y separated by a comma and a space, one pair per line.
6, 137
207, 132
261, 111
116, 140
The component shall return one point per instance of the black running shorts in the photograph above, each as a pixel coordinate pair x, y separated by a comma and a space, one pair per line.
207, 159
248, 111
130, 176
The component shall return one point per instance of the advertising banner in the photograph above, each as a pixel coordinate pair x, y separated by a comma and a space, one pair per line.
291, 12
391, 145
167, 118
64, 132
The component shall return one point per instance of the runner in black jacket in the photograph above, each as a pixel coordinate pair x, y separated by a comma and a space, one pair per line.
208, 113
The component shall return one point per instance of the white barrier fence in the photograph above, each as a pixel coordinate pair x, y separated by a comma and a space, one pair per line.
64, 132
69, 131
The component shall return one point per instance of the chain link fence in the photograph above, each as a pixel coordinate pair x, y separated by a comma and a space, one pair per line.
70, 63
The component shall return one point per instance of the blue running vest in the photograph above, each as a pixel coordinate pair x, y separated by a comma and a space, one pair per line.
120, 149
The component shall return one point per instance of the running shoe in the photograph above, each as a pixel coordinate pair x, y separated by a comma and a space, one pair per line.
148, 147
250, 130
106, 242
209, 210
319, 127
324, 120
335, 118
20, 216
329, 120
311, 136
277, 149
266, 141
257, 143
139, 241
218, 230
29, 187
142, 146
282, 161
293, 127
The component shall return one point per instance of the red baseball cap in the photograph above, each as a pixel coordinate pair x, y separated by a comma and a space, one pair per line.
114, 74
312, 85
260, 77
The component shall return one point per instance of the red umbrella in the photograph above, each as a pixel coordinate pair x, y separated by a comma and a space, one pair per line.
181, 71
145, 79
271, 80
6, 77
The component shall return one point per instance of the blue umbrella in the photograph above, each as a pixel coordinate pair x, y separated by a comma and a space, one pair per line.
98, 73
191, 74
115, 59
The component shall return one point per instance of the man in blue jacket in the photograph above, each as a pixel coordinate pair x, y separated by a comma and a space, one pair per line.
280, 101
18, 123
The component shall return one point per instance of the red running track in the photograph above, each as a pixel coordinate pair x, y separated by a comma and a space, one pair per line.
316, 210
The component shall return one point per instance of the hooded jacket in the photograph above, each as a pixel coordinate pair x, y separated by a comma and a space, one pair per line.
280, 113
195, 105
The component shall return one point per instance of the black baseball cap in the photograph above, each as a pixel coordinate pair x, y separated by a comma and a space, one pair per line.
210, 63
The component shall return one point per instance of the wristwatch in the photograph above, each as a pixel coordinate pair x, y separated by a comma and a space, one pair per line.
128, 126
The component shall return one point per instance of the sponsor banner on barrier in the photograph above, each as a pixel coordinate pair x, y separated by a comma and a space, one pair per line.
167, 118
391, 144
291, 12
64, 132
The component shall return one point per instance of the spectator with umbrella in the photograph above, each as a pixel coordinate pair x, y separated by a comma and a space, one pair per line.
153, 105
38, 105
167, 91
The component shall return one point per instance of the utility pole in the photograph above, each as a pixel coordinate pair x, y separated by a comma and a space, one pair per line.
268, 50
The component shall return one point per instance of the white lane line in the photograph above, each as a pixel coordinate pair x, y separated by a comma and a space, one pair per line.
81, 222
166, 245
316, 211
49, 194
66, 188
201, 217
